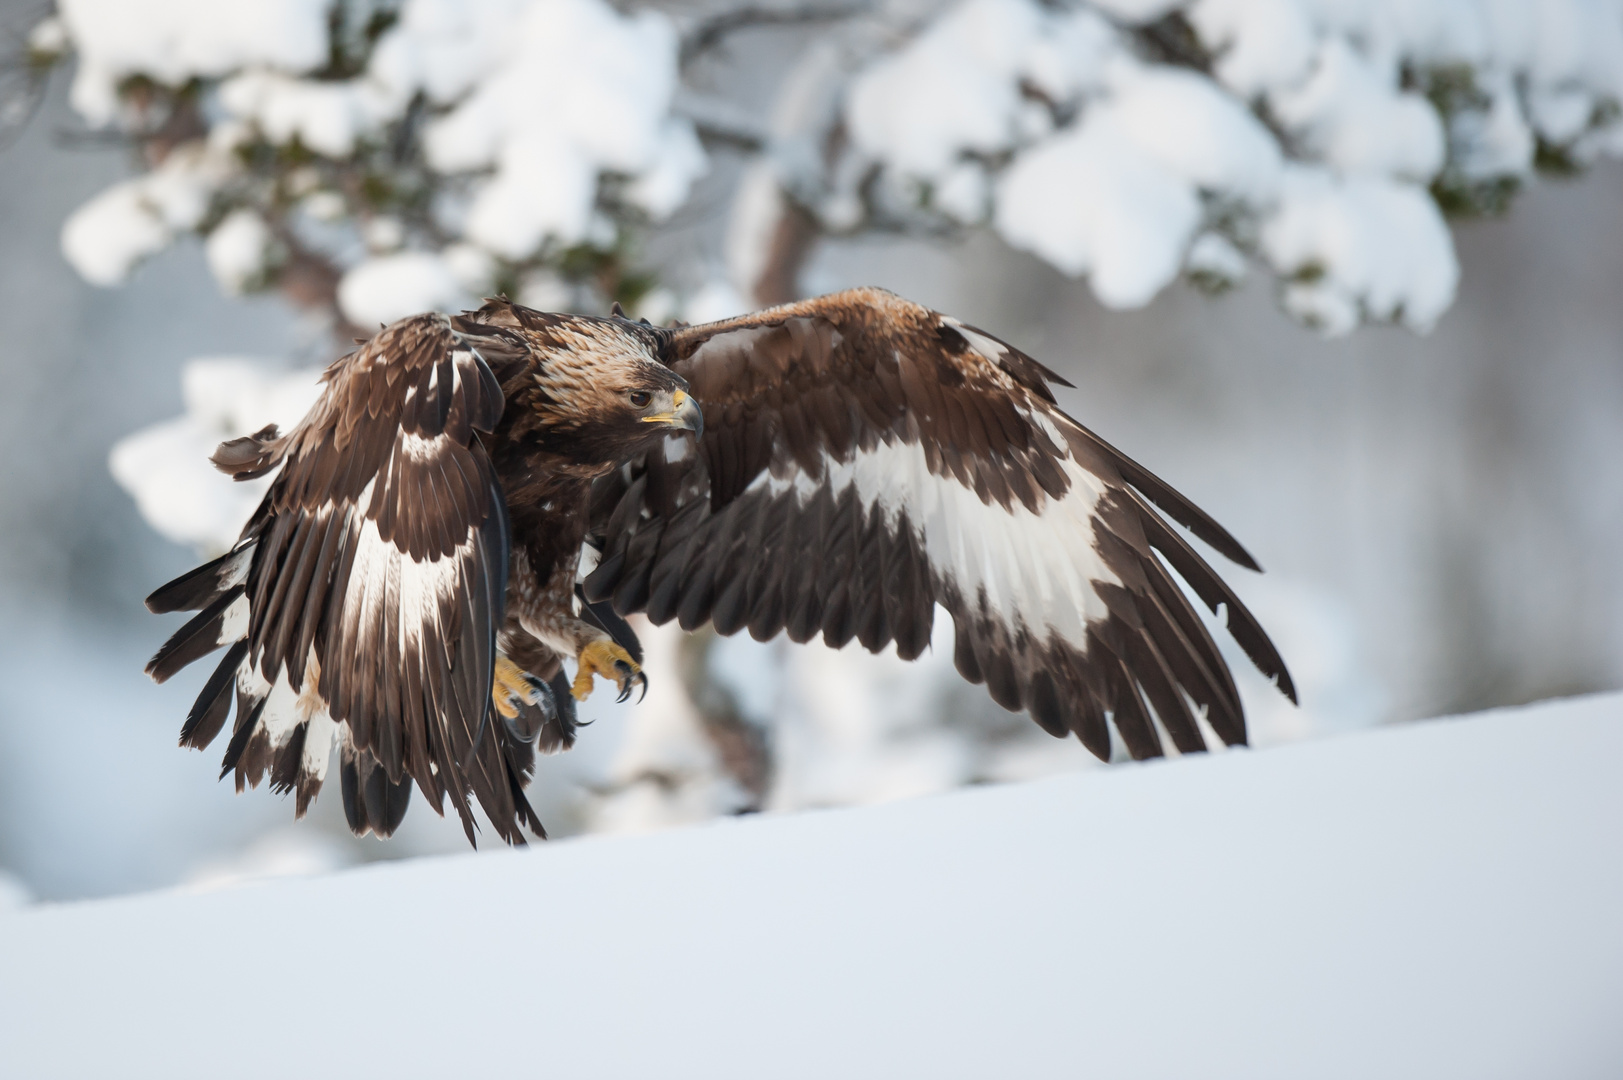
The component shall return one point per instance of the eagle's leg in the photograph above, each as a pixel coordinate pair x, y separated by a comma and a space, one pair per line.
513, 687
603, 657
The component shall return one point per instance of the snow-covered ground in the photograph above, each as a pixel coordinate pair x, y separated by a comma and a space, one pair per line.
1437, 900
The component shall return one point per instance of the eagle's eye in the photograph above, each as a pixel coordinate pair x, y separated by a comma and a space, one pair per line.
641, 398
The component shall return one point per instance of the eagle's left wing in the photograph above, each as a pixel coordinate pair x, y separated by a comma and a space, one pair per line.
362, 602
865, 459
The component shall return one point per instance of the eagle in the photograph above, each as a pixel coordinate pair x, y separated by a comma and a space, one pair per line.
476, 500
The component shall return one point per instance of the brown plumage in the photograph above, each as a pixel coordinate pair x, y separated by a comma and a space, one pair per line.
859, 461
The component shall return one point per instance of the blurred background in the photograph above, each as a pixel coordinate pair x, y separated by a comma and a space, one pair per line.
1413, 418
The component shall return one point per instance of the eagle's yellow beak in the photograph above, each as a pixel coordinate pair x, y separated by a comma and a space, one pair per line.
685, 414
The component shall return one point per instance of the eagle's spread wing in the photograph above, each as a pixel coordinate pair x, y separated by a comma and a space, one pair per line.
362, 602
864, 459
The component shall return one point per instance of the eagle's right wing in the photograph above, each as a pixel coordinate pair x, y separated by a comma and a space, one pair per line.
865, 459
362, 602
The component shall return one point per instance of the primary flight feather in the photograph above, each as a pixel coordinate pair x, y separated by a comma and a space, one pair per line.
409, 589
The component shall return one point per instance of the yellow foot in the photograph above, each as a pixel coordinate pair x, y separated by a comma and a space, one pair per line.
607, 659
512, 687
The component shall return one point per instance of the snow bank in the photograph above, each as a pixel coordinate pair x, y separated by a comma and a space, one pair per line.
1431, 901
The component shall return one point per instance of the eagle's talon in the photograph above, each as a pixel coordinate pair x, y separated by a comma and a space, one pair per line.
633, 678
512, 686
609, 660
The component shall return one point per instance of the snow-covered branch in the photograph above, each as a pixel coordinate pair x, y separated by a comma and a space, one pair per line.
1137, 140
430, 152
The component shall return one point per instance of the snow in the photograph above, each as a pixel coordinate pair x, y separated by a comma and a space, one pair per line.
955, 88
1186, 124
1089, 201
325, 117
166, 469
956, 100
534, 103
236, 250
964, 194
1115, 195
174, 40
1351, 116
471, 266
542, 188
1212, 257
13, 893
1361, 246
546, 117
1496, 141
383, 233
444, 47
106, 237
284, 852
679, 161
607, 80
1437, 901
1258, 43
49, 37
546, 291
951, 90
384, 288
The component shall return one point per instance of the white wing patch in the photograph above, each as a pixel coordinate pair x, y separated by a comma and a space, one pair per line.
423, 589
319, 742
280, 715
286, 709
234, 626
1035, 569
250, 682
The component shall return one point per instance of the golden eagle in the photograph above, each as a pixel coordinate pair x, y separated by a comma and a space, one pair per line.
476, 499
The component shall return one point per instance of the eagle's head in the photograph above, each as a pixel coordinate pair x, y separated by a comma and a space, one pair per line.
600, 395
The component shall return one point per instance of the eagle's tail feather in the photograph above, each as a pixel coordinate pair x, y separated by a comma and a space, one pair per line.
371, 800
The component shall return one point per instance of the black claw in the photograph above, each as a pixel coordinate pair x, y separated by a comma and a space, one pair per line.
626, 677
643, 679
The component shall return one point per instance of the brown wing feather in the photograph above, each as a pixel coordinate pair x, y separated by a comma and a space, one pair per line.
865, 459
372, 581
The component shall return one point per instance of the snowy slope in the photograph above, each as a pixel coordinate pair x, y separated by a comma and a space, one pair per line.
1441, 900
